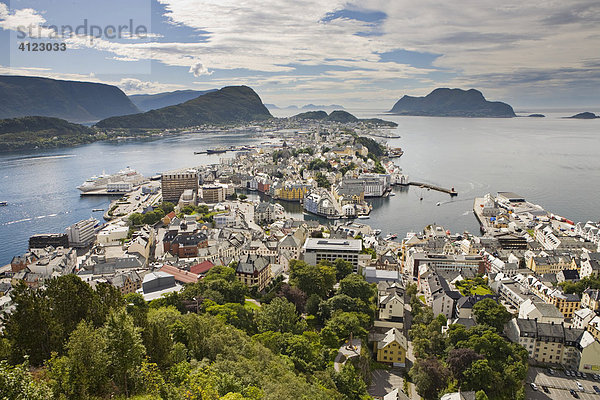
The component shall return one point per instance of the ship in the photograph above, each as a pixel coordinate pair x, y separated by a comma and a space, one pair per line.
101, 182
3, 203
218, 150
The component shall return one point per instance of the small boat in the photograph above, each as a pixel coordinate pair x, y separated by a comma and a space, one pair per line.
392, 194
377, 232
3, 203
438, 203
363, 217
391, 236
97, 209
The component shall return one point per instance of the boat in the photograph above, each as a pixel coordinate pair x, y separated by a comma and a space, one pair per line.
377, 231
391, 236
392, 194
3, 203
438, 203
97, 209
126, 175
218, 150
363, 217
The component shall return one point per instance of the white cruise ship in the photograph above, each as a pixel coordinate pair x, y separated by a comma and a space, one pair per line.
127, 175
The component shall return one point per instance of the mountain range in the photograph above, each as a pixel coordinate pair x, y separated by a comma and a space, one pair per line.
147, 102
444, 102
227, 105
342, 117
312, 107
74, 101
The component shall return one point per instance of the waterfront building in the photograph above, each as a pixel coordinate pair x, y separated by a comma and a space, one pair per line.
82, 233
175, 183
41, 241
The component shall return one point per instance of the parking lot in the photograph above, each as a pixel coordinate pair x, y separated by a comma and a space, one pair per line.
558, 385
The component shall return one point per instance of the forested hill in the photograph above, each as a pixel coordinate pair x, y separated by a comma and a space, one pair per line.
228, 105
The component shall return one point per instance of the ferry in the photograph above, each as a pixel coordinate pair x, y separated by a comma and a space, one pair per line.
3, 203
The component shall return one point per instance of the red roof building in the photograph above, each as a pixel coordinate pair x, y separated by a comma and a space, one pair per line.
201, 268
179, 274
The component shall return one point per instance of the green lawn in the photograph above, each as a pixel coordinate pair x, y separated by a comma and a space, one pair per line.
482, 290
422, 298
251, 305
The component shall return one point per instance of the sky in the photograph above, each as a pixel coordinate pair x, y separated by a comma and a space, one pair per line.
360, 54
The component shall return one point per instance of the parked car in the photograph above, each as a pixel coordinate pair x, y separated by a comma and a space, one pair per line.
573, 393
583, 375
567, 372
596, 388
545, 389
578, 374
533, 386
550, 371
579, 386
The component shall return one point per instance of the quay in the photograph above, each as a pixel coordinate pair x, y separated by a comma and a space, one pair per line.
102, 192
451, 192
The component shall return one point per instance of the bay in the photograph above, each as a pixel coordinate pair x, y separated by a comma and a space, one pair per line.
550, 161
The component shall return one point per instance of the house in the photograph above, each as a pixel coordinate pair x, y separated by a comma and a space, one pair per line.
157, 284
569, 275
391, 348
590, 266
459, 396
464, 305
253, 271
126, 282
390, 305
582, 318
540, 311
590, 298
201, 268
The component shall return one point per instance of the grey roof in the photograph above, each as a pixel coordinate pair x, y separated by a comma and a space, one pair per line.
333, 244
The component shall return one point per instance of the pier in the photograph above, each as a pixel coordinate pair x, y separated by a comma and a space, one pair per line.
451, 192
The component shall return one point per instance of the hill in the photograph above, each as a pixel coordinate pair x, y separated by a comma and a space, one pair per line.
147, 102
584, 115
22, 96
41, 132
230, 104
343, 117
444, 102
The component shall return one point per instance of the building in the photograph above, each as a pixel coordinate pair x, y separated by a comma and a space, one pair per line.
126, 282
184, 238
550, 264
41, 241
590, 298
82, 233
293, 191
390, 305
391, 348
213, 193
188, 198
157, 284
254, 271
315, 250
540, 311
119, 187
582, 318
173, 184
264, 213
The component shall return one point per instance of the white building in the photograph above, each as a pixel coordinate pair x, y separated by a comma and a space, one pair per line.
316, 249
119, 187
82, 233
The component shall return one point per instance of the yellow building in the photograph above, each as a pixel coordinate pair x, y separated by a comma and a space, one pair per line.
391, 348
551, 265
567, 304
293, 192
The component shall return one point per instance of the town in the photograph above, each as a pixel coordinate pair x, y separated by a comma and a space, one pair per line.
390, 307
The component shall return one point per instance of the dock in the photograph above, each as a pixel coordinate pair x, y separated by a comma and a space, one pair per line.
451, 192
102, 192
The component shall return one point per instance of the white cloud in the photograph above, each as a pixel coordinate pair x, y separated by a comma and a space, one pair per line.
199, 69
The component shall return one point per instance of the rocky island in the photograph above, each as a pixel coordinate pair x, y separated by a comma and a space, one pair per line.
444, 102
584, 115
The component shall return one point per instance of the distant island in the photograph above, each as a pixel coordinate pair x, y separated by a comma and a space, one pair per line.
312, 107
74, 101
228, 105
342, 117
536, 115
147, 102
584, 115
444, 102
42, 132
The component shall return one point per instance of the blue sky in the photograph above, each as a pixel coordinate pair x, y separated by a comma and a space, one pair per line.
365, 53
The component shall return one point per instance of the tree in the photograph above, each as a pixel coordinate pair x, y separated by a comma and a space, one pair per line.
490, 313
167, 207
294, 295
357, 287
82, 372
277, 316
124, 347
136, 219
480, 376
318, 279
459, 360
17, 383
349, 383
242, 197
430, 377
343, 268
